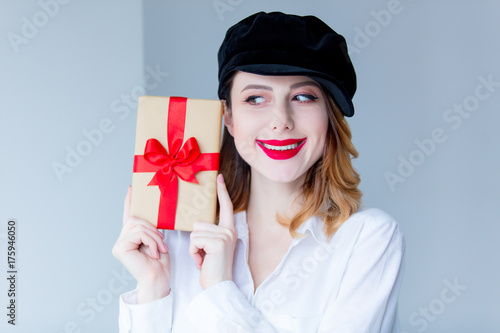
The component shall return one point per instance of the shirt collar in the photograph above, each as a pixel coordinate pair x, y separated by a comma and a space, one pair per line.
240, 224
313, 226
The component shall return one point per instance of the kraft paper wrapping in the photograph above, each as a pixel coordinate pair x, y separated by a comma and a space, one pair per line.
195, 202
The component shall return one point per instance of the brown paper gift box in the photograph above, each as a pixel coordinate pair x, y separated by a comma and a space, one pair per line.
162, 118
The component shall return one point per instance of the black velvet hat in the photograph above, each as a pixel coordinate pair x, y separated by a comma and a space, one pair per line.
281, 44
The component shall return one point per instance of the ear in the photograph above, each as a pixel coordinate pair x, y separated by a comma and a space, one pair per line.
228, 117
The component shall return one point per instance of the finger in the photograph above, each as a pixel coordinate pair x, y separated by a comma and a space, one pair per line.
205, 226
197, 259
226, 218
202, 237
137, 240
153, 246
162, 247
126, 205
133, 222
197, 254
208, 244
211, 231
143, 226
146, 250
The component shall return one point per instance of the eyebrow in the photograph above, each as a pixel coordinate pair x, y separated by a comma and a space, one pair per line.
305, 83
293, 86
256, 86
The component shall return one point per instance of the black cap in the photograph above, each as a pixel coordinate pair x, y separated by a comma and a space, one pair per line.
282, 44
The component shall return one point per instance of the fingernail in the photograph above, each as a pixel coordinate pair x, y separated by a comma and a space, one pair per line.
220, 178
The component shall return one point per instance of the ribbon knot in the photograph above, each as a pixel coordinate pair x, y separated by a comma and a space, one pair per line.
178, 162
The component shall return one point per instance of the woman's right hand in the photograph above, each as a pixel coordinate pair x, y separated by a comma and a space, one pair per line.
140, 248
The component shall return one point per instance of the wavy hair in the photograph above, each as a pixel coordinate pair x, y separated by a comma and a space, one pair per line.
330, 190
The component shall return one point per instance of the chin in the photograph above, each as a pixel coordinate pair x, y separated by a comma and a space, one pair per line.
280, 174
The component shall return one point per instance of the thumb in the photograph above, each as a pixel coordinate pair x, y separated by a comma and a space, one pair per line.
126, 205
226, 218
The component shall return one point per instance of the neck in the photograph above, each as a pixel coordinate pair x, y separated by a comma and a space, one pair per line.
269, 198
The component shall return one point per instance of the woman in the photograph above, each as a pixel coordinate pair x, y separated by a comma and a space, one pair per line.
293, 251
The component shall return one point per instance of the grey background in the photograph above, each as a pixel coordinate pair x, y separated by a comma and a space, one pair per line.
79, 67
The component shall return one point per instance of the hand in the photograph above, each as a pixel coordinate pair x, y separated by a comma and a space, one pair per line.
140, 248
212, 246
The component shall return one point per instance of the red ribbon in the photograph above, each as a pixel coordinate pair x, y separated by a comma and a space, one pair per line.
182, 161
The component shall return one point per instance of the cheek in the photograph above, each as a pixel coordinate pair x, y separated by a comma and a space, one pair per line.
317, 127
324, 136
248, 127
317, 124
244, 139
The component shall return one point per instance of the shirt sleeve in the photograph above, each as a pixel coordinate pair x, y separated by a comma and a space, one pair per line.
223, 308
366, 301
150, 317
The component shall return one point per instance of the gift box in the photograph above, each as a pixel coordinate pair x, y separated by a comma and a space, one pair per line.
176, 161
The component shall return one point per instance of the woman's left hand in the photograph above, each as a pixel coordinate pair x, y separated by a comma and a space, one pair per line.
212, 246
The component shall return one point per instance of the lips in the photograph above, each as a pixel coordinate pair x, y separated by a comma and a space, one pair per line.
281, 149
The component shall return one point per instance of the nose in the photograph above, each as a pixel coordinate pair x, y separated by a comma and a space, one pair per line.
282, 119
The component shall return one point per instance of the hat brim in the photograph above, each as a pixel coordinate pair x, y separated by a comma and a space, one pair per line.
332, 86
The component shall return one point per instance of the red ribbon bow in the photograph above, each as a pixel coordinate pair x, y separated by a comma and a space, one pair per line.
182, 161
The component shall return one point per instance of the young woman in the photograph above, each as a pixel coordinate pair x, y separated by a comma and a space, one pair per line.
293, 250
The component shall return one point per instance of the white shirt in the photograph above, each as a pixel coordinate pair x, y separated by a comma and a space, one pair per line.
349, 284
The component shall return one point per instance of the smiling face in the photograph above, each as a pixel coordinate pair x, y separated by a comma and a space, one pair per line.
279, 123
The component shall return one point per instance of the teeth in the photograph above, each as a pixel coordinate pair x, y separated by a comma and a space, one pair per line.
295, 145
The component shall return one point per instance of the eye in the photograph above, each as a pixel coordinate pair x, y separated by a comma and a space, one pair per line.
304, 98
254, 100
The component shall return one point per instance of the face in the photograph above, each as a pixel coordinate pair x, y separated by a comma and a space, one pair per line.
279, 123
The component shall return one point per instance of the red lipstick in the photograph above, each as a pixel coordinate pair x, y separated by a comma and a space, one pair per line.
277, 154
